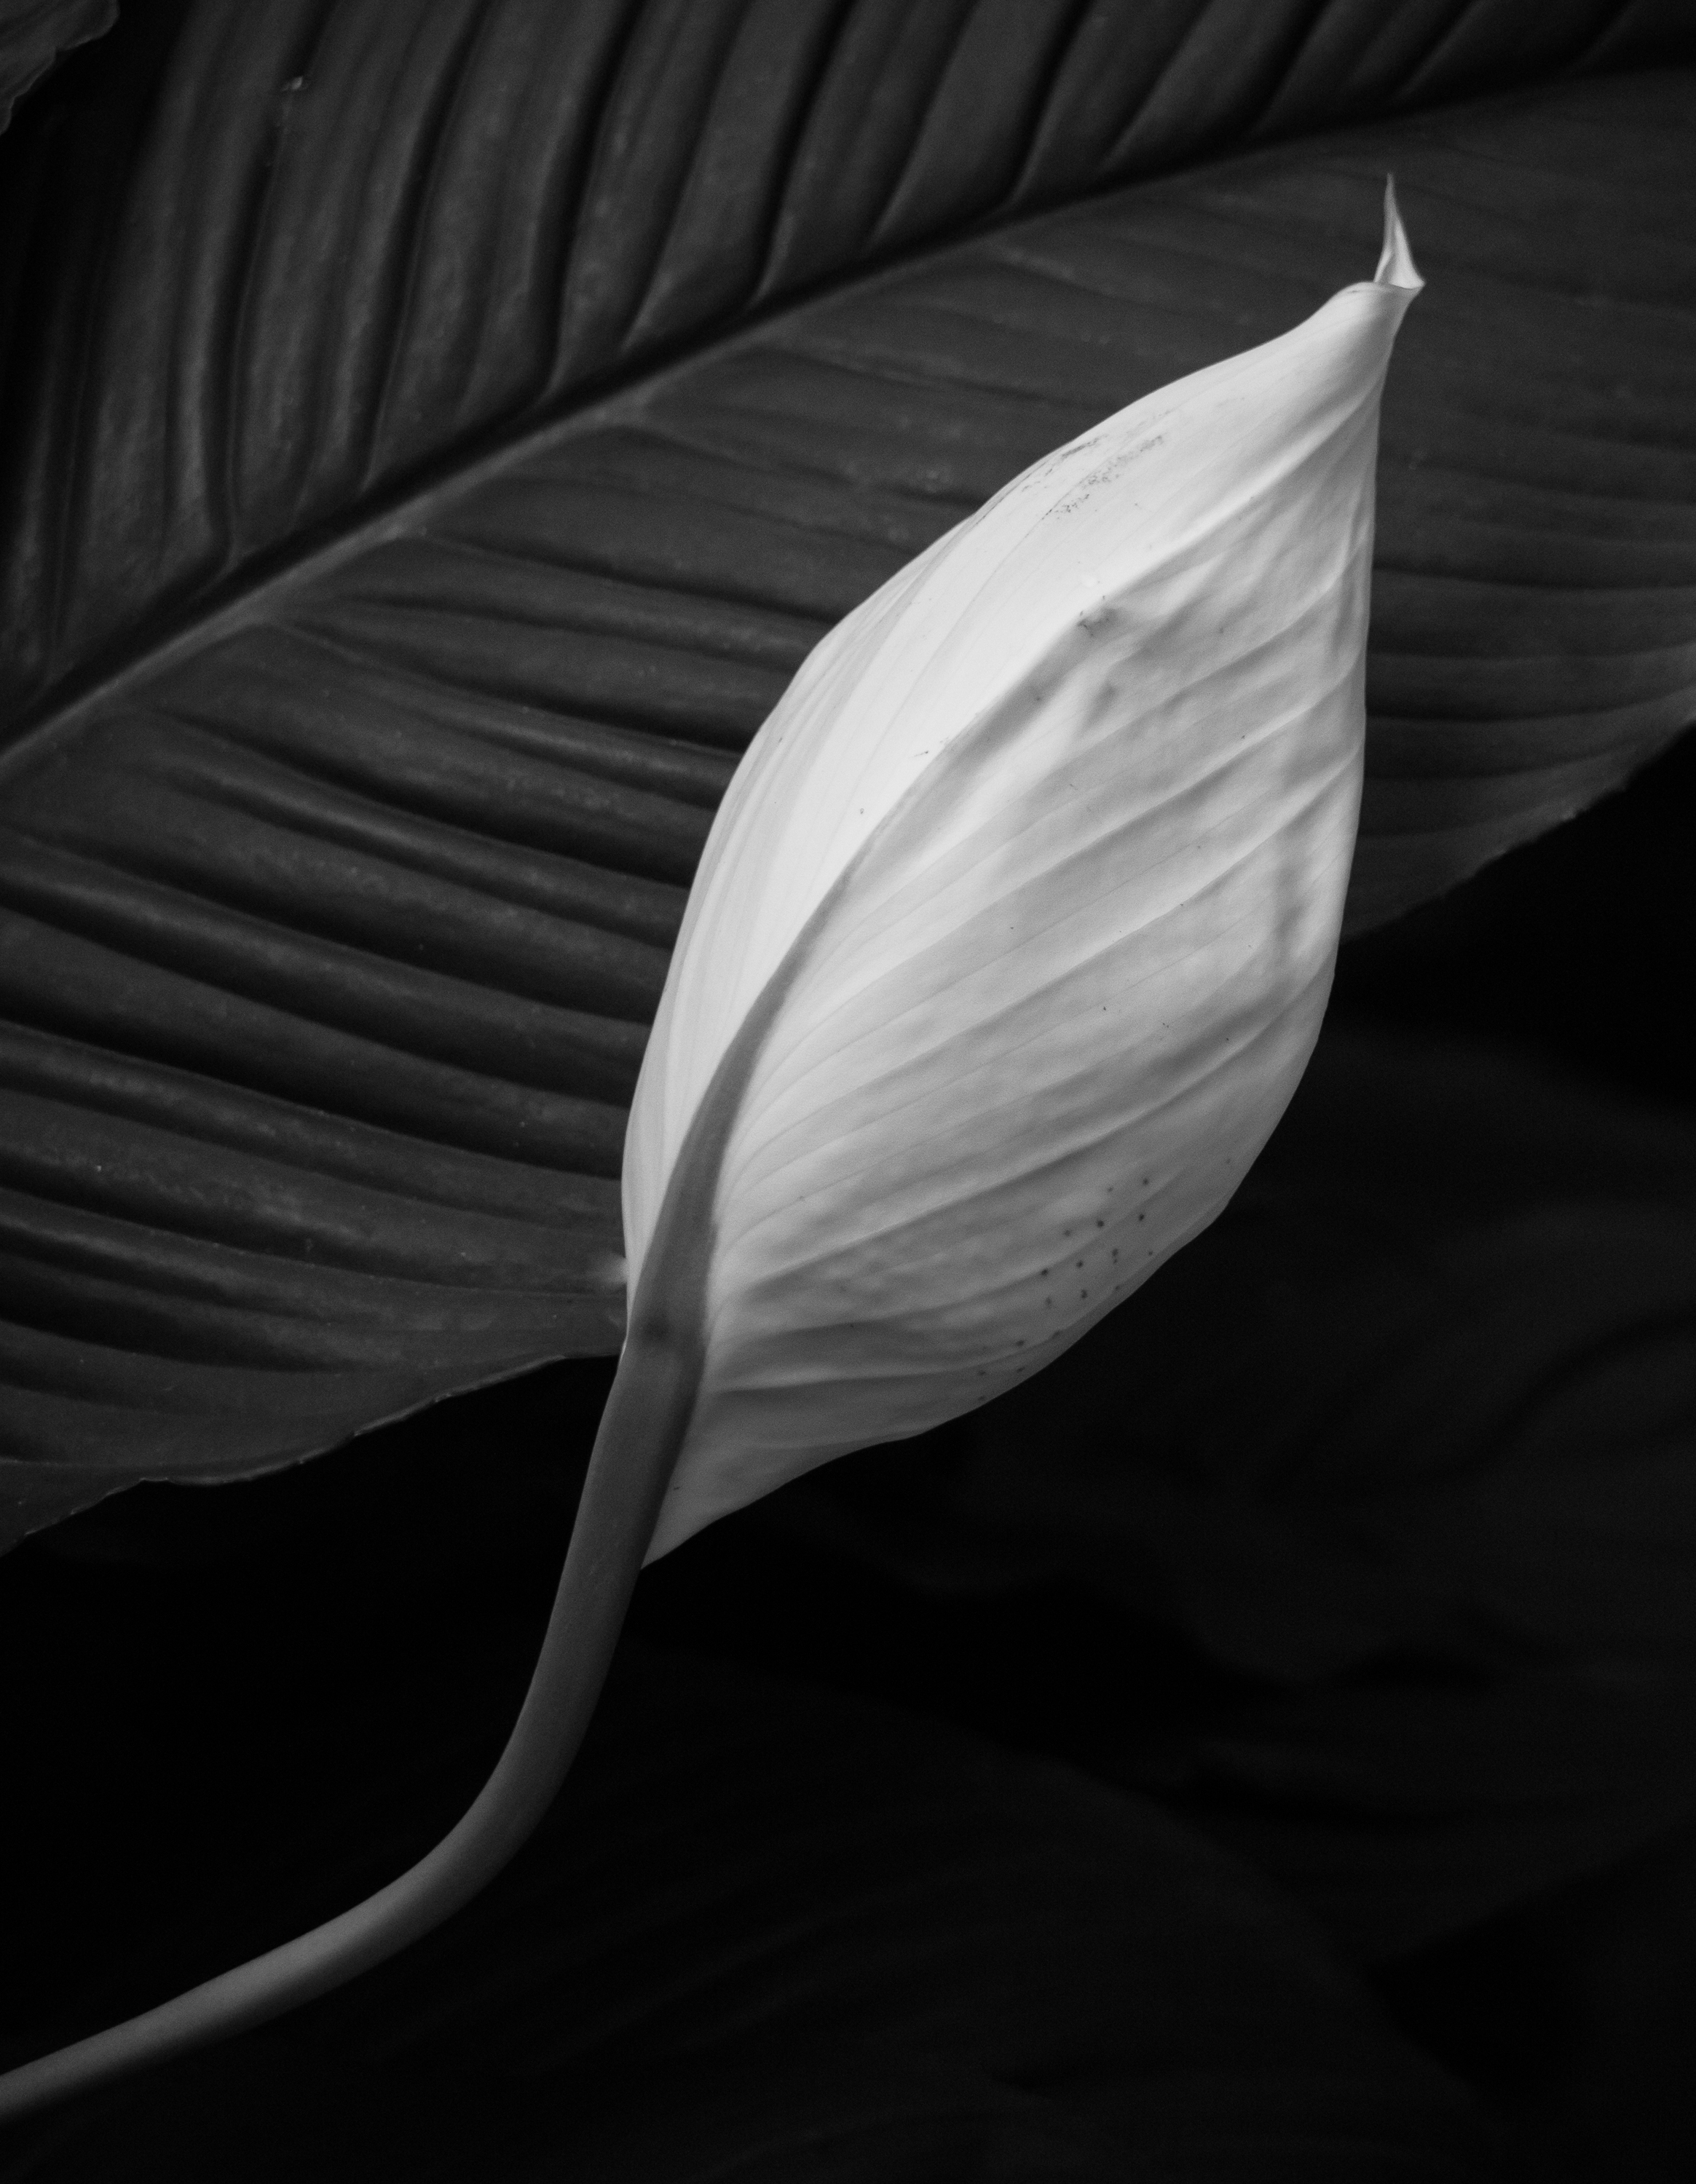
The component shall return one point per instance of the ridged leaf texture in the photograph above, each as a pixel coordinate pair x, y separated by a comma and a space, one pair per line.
432, 438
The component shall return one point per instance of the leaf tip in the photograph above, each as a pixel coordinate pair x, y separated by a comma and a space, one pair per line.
1395, 268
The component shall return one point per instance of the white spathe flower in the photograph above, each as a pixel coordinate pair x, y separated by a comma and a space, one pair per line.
1012, 936
1007, 949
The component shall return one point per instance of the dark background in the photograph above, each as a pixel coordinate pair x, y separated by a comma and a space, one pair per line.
1579, 947
309, 1673
201, 1680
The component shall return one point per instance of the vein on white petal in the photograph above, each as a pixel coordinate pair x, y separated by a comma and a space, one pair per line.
895, 908
1246, 1043
1063, 1333
870, 1117
1259, 482
913, 1060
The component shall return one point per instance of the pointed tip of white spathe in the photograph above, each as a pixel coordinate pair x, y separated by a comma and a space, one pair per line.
1395, 267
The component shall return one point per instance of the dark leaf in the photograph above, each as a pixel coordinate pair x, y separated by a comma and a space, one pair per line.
34, 33
1409, 1434
1578, 2013
765, 1934
433, 436
1404, 1811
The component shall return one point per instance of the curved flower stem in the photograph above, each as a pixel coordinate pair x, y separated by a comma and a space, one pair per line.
641, 1431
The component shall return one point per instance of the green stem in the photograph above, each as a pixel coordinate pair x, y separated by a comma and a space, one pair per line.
641, 1431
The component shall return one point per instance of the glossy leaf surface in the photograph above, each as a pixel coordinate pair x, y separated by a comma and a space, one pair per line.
414, 503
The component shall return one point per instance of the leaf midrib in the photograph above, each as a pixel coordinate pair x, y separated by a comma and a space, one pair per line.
604, 399
294, 565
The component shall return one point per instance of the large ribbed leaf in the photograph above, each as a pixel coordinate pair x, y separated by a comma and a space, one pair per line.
434, 435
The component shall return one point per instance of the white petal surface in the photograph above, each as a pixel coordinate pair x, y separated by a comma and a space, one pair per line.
1049, 841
